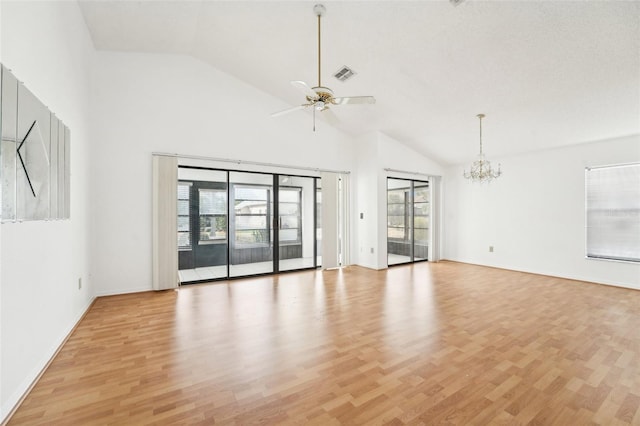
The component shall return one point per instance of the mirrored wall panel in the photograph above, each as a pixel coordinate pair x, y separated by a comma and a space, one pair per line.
34, 156
32, 150
8, 123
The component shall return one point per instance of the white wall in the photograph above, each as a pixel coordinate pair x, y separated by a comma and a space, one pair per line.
534, 215
366, 189
144, 103
47, 47
376, 152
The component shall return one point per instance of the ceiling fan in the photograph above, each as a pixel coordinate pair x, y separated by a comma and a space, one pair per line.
320, 98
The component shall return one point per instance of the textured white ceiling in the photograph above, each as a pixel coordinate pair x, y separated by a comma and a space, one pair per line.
546, 73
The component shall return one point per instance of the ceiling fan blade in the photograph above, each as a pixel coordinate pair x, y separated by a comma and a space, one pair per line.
288, 110
354, 100
304, 87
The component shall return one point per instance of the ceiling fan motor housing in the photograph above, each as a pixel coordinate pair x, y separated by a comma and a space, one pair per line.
324, 95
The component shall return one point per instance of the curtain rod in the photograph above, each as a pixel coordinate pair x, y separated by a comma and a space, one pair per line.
410, 173
612, 165
253, 163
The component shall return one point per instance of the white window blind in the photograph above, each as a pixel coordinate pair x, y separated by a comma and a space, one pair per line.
613, 212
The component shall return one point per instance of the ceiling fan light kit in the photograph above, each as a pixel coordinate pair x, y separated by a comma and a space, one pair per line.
319, 97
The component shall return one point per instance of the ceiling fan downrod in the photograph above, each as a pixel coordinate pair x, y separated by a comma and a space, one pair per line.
319, 10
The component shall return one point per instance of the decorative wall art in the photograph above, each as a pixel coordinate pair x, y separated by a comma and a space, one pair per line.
34, 156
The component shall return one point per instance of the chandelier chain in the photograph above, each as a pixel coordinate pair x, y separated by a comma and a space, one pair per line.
480, 116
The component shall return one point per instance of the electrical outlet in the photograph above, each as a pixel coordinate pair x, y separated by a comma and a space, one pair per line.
361, 215
371, 250
79, 283
490, 249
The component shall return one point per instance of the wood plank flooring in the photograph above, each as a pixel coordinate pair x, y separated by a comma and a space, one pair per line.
430, 344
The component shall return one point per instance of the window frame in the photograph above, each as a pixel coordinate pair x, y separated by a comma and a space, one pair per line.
268, 230
298, 215
427, 203
189, 230
214, 217
587, 210
406, 214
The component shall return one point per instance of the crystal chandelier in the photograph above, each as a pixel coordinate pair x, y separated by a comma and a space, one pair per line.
481, 170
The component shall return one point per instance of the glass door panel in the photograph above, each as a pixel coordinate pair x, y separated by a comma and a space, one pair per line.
399, 232
318, 222
420, 220
408, 209
250, 224
202, 225
295, 223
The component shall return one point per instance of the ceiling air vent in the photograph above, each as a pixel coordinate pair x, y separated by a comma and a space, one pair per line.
344, 73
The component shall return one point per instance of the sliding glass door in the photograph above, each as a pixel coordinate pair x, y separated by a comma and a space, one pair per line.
296, 222
408, 207
251, 227
202, 225
233, 223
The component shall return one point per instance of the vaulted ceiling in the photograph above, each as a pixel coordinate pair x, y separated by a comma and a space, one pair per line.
545, 73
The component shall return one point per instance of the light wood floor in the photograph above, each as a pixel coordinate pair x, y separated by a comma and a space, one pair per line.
437, 344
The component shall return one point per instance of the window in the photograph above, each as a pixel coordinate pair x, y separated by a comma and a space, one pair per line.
252, 209
421, 213
184, 228
399, 203
397, 214
613, 212
213, 214
289, 205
